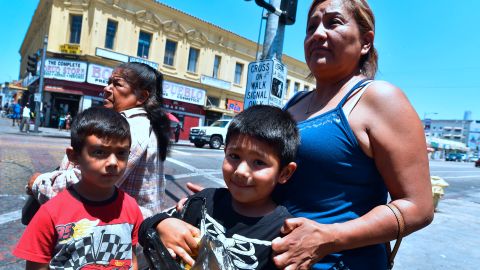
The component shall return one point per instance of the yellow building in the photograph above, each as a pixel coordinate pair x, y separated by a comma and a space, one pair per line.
204, 66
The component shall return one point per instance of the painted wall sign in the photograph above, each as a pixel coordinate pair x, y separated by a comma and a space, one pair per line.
180, 92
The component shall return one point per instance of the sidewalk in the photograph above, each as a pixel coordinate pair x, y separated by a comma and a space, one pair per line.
6, 127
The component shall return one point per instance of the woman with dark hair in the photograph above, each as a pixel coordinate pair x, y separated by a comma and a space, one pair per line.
134, 90
360, 141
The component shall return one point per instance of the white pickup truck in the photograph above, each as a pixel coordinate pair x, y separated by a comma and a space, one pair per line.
214, 134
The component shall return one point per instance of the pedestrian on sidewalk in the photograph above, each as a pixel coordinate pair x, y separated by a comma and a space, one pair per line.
16, 114
61, 121
68, 120
178, 128
26, 114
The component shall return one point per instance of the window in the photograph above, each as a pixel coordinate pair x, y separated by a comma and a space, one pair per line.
75, 28
192, 60
238, 73
306, 88
110, 36
216, 66
296, 87
213, 101
144, 40
288, 86
170, 48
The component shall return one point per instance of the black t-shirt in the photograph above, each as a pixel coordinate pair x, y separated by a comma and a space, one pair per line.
247, 239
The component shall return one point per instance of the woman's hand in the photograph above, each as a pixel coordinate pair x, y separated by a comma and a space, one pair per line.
193, 188
178, 236
305, 242
28, 187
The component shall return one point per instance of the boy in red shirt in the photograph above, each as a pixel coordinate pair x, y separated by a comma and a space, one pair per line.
92, 222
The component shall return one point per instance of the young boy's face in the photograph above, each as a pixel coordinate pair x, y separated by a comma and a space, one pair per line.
102, 161
251, 169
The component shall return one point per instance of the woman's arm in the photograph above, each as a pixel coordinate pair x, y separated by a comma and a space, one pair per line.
389, 130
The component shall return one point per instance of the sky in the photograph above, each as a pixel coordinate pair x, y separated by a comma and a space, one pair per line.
428, 48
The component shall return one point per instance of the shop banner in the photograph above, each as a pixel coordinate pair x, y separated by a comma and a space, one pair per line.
179, 92
67, 70
98, 74
234, 105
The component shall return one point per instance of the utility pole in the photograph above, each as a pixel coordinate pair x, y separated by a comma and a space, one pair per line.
39, 98
266, 80
274, 33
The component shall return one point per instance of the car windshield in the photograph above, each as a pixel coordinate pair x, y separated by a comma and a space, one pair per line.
219, 124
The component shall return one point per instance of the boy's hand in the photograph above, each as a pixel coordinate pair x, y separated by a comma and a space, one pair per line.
178, 236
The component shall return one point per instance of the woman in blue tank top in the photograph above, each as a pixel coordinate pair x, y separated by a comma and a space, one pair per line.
360, 140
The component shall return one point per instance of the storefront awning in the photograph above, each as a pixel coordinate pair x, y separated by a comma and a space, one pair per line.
220, 110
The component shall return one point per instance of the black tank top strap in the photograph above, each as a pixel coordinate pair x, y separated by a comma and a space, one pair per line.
359, 84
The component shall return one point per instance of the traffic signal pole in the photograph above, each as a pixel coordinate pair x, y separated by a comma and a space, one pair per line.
38, 106
274, 34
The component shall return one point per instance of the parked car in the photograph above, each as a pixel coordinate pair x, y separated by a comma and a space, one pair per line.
473, 159
477, 163
456, 157
214, 135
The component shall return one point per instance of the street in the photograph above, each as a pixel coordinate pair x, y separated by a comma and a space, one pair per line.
450, 242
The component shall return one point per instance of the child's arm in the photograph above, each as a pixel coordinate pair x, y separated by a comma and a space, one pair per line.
36, 266
134, 258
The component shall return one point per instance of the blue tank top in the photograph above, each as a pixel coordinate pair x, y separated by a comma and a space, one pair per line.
335, 182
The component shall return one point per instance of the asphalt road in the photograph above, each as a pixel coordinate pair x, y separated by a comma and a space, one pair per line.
450, 242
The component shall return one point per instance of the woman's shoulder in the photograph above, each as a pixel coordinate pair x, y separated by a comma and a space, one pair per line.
383, 95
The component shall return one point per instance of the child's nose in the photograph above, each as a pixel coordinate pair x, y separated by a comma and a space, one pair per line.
243, 169
112, 160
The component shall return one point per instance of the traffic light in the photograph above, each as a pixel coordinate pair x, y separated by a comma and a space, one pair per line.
287, 12
32, 64
289, 7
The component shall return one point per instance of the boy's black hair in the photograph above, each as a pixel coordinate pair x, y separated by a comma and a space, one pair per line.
268, 124
101, 122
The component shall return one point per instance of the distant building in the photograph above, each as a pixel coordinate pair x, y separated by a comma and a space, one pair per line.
204, 65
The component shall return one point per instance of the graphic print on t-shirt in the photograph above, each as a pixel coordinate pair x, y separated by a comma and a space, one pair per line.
241, 248
86, 245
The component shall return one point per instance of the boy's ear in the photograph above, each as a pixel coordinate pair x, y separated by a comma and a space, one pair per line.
71, 154
287, 172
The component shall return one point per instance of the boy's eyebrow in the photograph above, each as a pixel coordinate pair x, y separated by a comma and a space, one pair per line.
254, 151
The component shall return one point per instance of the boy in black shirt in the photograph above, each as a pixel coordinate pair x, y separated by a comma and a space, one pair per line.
260, 149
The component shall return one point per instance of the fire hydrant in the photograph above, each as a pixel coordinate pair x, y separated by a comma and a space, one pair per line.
438, 189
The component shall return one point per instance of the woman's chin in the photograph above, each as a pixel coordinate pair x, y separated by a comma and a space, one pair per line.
108, 104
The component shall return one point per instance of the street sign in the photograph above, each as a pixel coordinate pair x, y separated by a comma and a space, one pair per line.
37, 97
265, 83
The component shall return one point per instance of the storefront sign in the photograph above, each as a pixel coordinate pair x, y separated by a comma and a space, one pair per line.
234, 105
179, 92
265, 83
67, 70
98, 75
141, 60
215, 82
111, 55
70, 48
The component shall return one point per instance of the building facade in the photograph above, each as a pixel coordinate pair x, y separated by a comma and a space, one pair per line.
204, 66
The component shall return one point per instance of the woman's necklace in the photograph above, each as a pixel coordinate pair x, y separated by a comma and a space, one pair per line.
307, 111
315, 108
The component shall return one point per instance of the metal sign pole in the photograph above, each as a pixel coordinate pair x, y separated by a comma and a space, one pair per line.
39, 99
